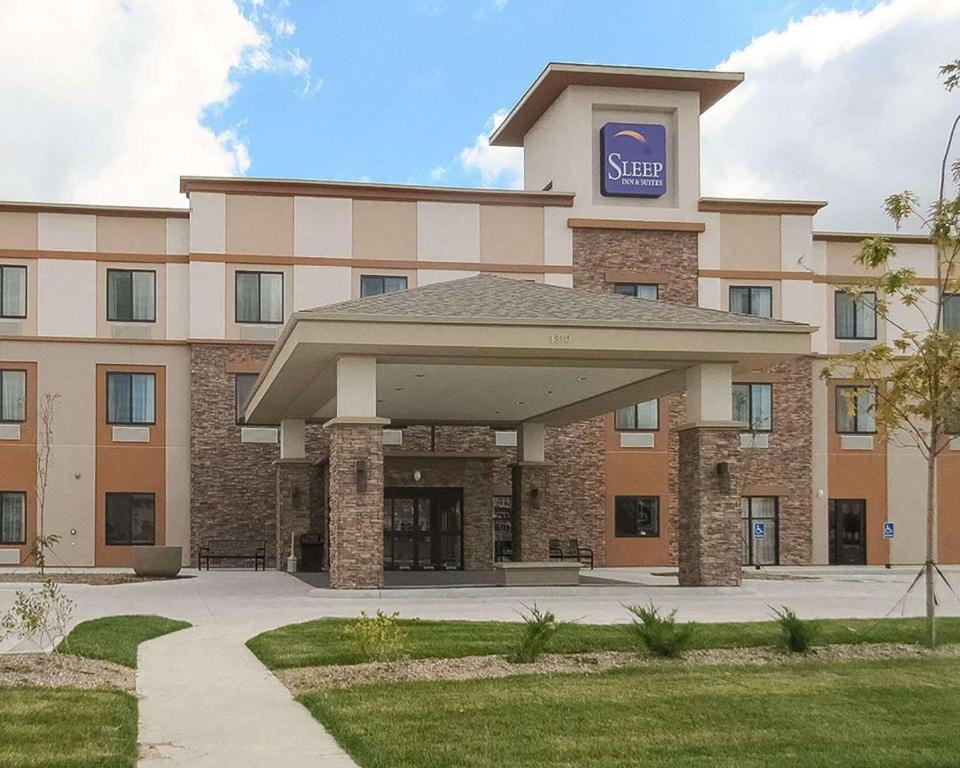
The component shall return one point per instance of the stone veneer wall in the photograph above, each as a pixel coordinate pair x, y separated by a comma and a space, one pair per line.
669, 259
474, 476
785, 468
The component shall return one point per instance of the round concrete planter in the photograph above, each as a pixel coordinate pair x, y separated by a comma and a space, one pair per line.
157, 561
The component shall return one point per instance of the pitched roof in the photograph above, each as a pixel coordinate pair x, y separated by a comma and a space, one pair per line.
491, 299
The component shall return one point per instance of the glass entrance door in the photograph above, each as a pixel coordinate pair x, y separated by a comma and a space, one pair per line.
422, 529
848, 531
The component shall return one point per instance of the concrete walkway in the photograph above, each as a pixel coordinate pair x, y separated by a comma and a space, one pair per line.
207, 701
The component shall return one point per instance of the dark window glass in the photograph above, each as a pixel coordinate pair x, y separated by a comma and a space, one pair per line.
762, 510
374, 285
131, 295
855, 317
753, 406
13, 292
244, 388
642, 417
855, 410
131, 398
259, 297
13, 517
637, 516
13, 395
638, 290
130, 518
951, 313
751, 300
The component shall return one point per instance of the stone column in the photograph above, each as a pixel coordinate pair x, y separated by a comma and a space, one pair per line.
356, 504
531, 475
298, 493
709, 547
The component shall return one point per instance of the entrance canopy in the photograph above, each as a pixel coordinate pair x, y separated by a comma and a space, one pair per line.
501, 352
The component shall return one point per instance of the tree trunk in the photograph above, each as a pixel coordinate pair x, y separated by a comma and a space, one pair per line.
931, 544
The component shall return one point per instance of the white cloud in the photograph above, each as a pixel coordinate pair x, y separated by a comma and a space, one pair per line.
105, 100
840, 106
492, 166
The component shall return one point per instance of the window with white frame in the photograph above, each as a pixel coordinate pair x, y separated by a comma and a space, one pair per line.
259, 297
753, 406
131, 398
855, 316
13, 517
855, 407
641, 417
131, 295
13, 292
13, 395
638, 290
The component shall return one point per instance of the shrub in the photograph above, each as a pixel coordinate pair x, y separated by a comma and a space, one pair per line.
377, 638
660, 635
538, 627
38, 615
797, 635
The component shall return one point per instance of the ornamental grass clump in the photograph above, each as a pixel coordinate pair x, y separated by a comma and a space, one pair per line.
796, 635
538, 627
377, 638
660, 635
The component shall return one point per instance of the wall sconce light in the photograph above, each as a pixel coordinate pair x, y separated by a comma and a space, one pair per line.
534, 493
296, 497
723, 476
361, 476
416, 475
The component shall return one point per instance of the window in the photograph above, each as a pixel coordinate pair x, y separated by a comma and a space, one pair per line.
374, 285
259, 297
951, 312
130, 519
636, 516
13, 292
855, 406
642, 417
131, 398
759, 517
638, 290
13, 395
753, 406
243, 388
855, 317
751, 300
13, 517
131, 296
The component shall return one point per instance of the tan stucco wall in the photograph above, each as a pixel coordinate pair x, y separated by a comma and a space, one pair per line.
128, 234
384, 230
259, 225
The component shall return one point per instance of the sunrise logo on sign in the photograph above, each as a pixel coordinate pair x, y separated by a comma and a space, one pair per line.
633, 159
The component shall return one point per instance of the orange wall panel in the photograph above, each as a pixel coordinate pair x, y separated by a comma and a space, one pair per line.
18, 459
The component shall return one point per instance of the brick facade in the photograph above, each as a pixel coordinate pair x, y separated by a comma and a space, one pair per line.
356, 516
537, 512
299, 504
709, 523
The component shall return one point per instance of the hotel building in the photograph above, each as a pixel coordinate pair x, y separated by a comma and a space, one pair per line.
290, 359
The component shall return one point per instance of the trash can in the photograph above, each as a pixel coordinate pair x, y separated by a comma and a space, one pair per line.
311, 552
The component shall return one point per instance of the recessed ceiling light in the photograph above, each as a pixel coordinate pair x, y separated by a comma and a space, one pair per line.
549, 391
497, 413
519, 402
398, 389
381, 401
581, 378
418, 375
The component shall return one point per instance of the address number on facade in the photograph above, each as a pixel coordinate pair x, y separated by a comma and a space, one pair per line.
559, 338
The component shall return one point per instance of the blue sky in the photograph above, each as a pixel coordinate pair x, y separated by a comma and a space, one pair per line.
407, 84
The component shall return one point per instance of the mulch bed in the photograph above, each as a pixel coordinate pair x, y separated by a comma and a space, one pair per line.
307, 679
58, 670
94, 579
757, 575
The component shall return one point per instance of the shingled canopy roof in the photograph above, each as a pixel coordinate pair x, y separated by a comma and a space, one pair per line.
498, 351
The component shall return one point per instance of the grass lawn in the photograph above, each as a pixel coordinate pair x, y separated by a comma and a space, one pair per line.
66, 727
316, 643
900, 714
115, 638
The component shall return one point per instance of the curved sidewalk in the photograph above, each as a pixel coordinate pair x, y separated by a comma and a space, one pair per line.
205, 700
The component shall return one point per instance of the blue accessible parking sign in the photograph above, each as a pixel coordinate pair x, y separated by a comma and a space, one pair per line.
888, 530
759, 530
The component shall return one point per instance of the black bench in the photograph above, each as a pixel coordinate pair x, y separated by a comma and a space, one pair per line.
233, 549
571, 550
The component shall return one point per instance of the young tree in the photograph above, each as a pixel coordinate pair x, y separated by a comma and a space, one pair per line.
917, 373
44, 541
